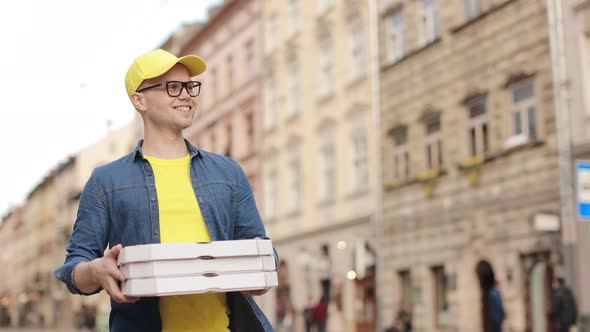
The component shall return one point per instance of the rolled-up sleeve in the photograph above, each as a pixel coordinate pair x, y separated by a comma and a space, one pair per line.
89, 236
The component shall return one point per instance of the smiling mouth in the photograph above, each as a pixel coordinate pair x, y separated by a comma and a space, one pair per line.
182, 108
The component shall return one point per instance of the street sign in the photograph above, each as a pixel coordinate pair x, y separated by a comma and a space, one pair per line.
583, 189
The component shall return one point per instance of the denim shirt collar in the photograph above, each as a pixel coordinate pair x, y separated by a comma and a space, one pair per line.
194, 151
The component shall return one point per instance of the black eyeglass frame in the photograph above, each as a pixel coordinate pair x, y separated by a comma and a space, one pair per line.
184, 85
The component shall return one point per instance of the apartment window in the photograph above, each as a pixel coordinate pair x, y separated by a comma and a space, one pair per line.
271, 186
396, 36
441, 296
360, 161
229, 74
357, 50
428, 21
472, 8
251, 139
270, 111
358, 154
478, 128
294, 91
271, 32
434, 157
326, 68
295, 177
524, 112
323, 5
250, 59
401, 154
405, 287
327, 165
293, 16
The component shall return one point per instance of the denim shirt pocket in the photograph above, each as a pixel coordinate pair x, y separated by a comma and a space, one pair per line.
220, 202
131, 214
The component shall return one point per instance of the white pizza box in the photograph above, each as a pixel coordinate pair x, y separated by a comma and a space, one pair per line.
198, 266
196, 284
159, 251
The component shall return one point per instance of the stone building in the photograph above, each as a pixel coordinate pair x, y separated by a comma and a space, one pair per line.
469, 160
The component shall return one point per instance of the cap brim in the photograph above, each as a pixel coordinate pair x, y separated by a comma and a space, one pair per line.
196, 65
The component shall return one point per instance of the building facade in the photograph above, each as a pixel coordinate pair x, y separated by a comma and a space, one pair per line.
11, 242
317, 190
229, 104
470, 163
34, 237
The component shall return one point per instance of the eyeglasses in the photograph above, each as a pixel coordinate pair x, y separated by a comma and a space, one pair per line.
174, 88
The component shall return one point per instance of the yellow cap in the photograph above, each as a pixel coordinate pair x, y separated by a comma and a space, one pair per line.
156, 63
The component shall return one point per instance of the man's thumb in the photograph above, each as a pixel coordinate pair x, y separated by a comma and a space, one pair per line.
114, 252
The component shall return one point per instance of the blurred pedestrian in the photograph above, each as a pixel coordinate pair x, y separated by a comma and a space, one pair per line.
493, 314
564, 312
320, 314
165, 191
308, 316
402, 322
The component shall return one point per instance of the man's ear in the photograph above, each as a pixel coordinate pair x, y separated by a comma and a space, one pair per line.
138, 101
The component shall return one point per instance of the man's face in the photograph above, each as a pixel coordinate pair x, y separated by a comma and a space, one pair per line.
160, 109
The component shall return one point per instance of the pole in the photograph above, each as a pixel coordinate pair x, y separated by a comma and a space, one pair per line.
569, 218
378, 182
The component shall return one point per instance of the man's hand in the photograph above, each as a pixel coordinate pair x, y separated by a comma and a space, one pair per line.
256, 292
107, 274
104, 272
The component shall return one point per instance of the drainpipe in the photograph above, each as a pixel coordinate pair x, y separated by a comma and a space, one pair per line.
377, 179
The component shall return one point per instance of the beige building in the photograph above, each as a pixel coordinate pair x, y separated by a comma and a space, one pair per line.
36, 265
318, 196
34, 237
114, 145
470, 160
11, 243
67, 193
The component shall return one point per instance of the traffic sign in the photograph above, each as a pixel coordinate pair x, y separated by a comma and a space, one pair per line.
583, 189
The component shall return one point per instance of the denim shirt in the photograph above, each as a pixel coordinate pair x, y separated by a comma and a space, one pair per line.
119, 204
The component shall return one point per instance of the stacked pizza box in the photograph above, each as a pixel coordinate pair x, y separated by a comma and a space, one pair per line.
191, 268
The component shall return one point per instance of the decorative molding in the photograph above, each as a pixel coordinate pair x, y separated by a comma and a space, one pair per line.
410, 54
481, 16
473, 96
516, 77
397, 129
429, 113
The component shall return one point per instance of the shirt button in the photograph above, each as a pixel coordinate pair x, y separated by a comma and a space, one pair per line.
155, 231
153, 199
149, 174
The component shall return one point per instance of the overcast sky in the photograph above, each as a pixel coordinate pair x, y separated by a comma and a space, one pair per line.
62, 68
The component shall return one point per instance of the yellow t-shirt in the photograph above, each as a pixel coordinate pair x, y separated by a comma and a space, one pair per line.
181, 221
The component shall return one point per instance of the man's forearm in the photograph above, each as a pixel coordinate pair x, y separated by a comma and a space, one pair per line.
84, 278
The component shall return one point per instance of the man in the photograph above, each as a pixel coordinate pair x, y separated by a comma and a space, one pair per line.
165, 191
564, 312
